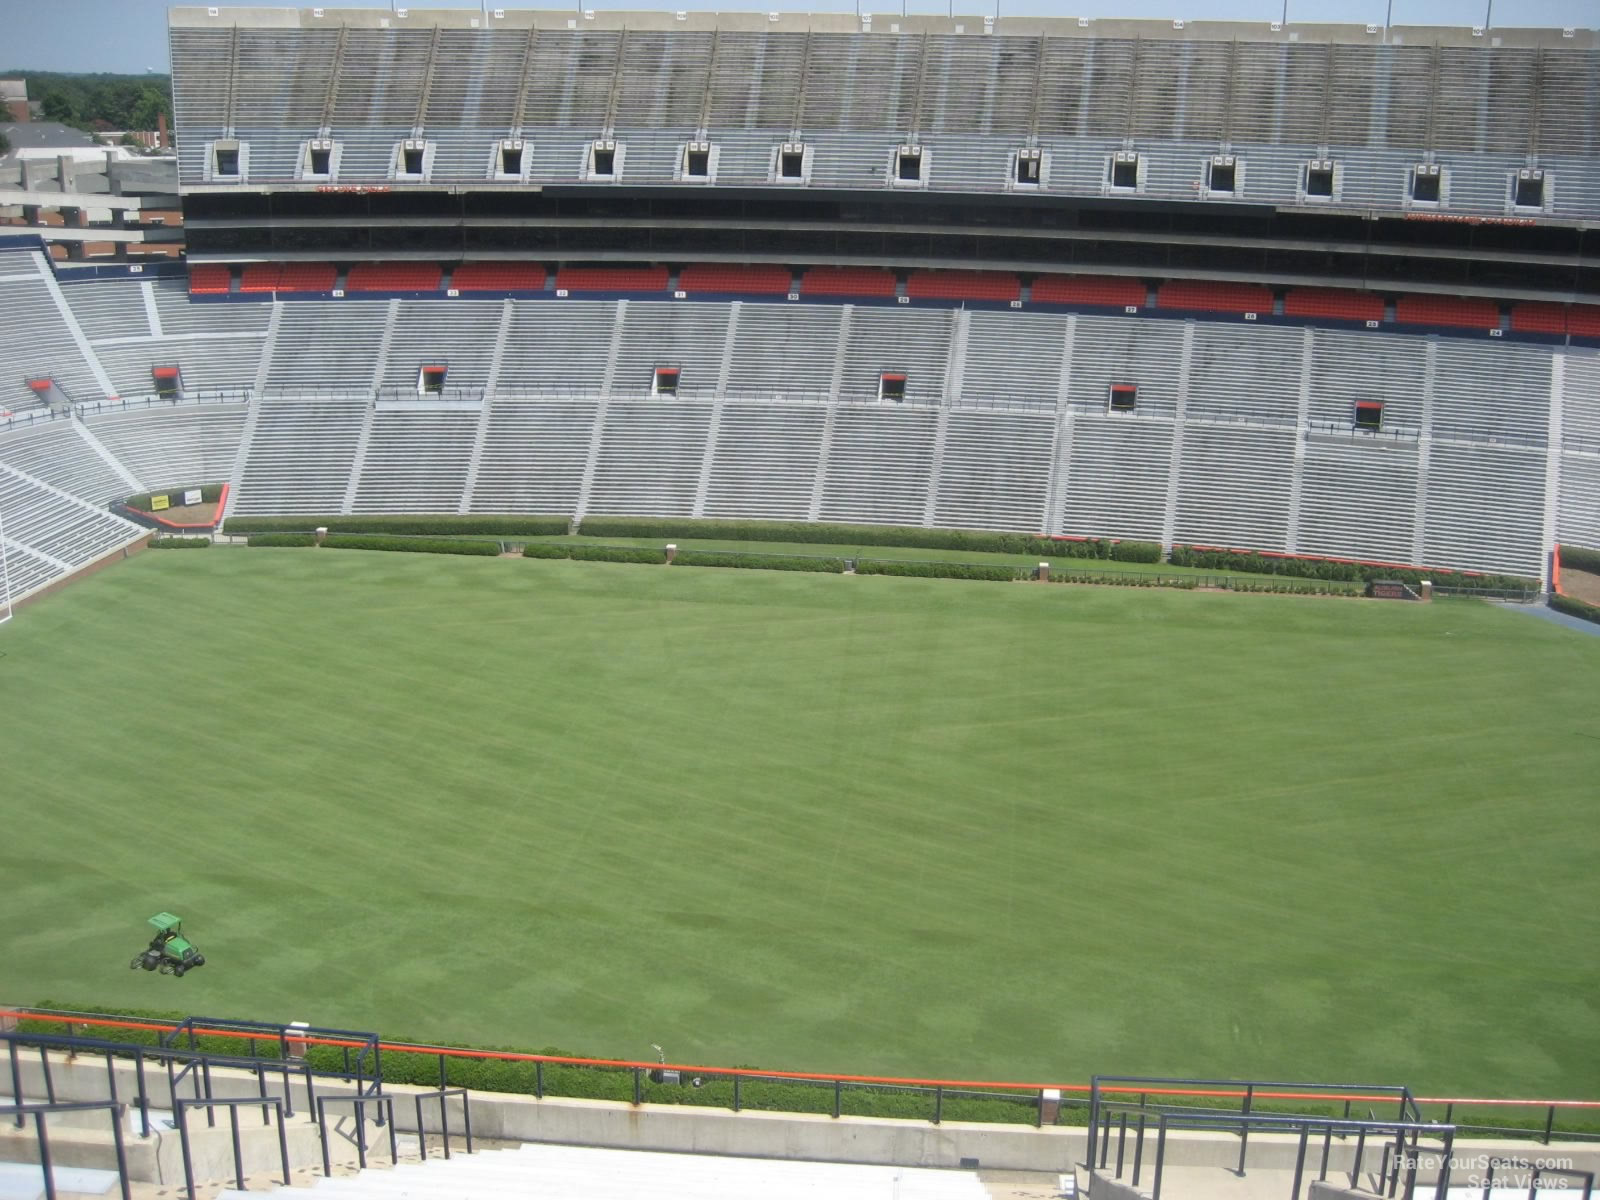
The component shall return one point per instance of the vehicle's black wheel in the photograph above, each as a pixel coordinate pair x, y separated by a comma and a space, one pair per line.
199, 961
179, 970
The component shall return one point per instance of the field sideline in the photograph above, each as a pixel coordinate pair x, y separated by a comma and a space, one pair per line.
816, 822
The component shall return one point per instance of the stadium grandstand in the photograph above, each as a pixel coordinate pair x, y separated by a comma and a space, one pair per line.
1330, 291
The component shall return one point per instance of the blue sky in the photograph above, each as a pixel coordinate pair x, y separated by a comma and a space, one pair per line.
130, 35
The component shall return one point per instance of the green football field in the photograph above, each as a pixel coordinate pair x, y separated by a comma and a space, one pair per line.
831, 823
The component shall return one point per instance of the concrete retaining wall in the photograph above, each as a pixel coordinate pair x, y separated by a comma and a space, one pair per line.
697, 1130
1103, 1187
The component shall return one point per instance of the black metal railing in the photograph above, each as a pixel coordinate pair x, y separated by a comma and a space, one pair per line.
268, 1105
111, 1051
1537, 1174
385, 1107
1399, 1163
41, 1135
188, 1067
1236, 1099
364, 1068
443, 1096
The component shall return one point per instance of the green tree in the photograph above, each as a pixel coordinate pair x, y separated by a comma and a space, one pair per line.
60, 105
148, 109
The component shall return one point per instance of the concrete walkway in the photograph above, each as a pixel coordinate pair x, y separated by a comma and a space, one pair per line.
1560, 618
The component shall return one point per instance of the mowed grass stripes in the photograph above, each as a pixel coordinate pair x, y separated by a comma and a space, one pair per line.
857, 824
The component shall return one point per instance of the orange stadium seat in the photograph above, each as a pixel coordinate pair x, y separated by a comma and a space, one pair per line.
394, 277
288, 277
1202, 295
1458, 311
963, 285
724, 277
613, 279
1102, 292
847, 281
1341, 304
209, 279
499, 277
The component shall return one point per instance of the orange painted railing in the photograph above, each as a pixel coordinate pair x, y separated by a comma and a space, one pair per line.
751, 1073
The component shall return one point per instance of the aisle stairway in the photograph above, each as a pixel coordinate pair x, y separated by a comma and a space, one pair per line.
573, 1172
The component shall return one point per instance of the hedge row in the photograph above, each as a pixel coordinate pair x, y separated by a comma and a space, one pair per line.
1290, 588
1574, 607
618, 554
764, 562
1318, 568
668, 528
716, 1091
440, 525
179, 543
998, 572
210, 493
622, 554
408, 545
282, 539
1126, 579
1581, 559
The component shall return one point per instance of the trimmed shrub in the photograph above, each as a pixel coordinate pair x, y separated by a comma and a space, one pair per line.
619, 554
210, 493
408, 545
282, 539
999, 572
1142, 552
1290, 588
441, 525
1123, 579
545, 550
1581, 559
914, 537
763, 562
1319, 568
179, 543
1574, 607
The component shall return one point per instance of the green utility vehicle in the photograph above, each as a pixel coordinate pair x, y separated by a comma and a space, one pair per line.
169, 952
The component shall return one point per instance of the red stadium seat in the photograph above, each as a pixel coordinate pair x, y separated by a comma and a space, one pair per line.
1202, 295
288, 277
1533, 317
612, 279
1583, 320
308, 277
847, 281
1341, 304
499, 277
963, 285
260, 277
1457, 311
1579, 320
1114, 292
394, 277
724, 277
209, 279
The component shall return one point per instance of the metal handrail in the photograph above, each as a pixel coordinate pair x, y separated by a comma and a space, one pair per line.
385, 1105
112, 1051
42, 1137
442, 1096
180, 1108
1536, 1173
1304, 1125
